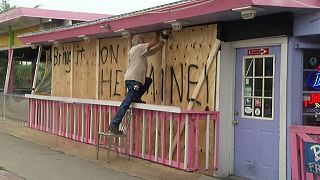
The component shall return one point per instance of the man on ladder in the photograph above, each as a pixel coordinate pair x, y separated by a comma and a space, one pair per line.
135, 77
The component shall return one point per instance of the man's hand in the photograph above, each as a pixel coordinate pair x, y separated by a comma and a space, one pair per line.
162, 35
162, 42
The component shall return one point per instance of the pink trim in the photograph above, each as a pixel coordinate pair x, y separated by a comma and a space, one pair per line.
160, 15
193, 141
65, 114
46, 13
191, 148
299, 135
197, 142
78, 136
217, 144
71, 134
29, 112
50, 118
178, 139
38, 115
104, 115
163, 136
145, 19
96, 124
150, 135
87, 131
44, 122
303, 169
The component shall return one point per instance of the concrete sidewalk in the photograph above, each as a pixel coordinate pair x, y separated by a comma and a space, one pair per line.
35, 162
36, 155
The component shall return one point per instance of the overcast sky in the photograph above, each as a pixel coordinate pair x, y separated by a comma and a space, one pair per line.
94, 6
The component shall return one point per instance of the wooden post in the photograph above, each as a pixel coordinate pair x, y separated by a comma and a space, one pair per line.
72, 72
97, 69
10, 58
34, 84
164, 64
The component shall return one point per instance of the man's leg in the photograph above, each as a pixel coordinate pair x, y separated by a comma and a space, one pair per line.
124, 106
143, 89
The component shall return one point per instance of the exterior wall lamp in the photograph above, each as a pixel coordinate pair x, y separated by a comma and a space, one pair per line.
125, 33
176, 25
248, 12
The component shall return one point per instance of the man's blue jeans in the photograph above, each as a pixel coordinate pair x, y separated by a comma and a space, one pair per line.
131, 96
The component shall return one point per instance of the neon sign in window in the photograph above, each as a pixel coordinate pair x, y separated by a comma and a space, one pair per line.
314, 79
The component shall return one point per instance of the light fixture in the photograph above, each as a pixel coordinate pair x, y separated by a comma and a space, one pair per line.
33, 46
86, 38
176, 24
125, 33
248, 12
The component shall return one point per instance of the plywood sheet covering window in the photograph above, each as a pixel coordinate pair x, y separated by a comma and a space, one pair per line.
84, 69
186, 58
175, 75
154, 71
113, 58
62, 56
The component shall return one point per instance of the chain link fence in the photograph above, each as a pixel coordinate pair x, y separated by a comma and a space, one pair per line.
14, 107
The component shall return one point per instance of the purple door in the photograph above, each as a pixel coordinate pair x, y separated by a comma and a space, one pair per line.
256, 122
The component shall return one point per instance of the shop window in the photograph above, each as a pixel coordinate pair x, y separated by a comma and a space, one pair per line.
258, 87
311, 88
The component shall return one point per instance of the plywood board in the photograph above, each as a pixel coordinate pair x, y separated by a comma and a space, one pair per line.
154, 71
186, 55
84, 67
113, 58
62, 56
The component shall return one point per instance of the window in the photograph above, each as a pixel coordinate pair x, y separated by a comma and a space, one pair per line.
311, 88
258, 85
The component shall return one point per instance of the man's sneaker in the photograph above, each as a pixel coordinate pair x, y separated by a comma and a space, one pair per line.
139, 101
114, 130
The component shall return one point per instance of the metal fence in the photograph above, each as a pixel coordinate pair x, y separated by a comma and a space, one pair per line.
14, 107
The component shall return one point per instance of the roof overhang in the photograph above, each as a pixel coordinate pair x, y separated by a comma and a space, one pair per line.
191, 12
22, 17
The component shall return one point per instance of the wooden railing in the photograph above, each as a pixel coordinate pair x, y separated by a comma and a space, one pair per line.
299, 135
154, 133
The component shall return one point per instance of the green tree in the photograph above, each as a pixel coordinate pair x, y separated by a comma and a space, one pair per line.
5, 6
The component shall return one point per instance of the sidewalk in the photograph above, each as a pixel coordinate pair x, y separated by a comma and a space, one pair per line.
36, 155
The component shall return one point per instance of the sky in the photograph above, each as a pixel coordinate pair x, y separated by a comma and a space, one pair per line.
94, 6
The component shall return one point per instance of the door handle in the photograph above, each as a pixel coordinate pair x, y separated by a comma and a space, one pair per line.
236, 123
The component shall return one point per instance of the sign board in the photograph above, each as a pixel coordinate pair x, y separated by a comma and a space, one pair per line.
312, 157
258, 51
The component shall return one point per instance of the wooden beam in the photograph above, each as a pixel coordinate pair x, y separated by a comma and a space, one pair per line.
34, 83
72, 72
164, 64
97, 69
10, 59
195, 93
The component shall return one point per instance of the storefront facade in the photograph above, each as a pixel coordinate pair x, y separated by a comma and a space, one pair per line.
266, 79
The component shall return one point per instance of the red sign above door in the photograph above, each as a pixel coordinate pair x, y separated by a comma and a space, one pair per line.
258, 51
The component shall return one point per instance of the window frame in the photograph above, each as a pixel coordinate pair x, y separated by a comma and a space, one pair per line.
252, 117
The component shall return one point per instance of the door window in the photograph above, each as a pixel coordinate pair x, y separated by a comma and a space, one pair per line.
258, 87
